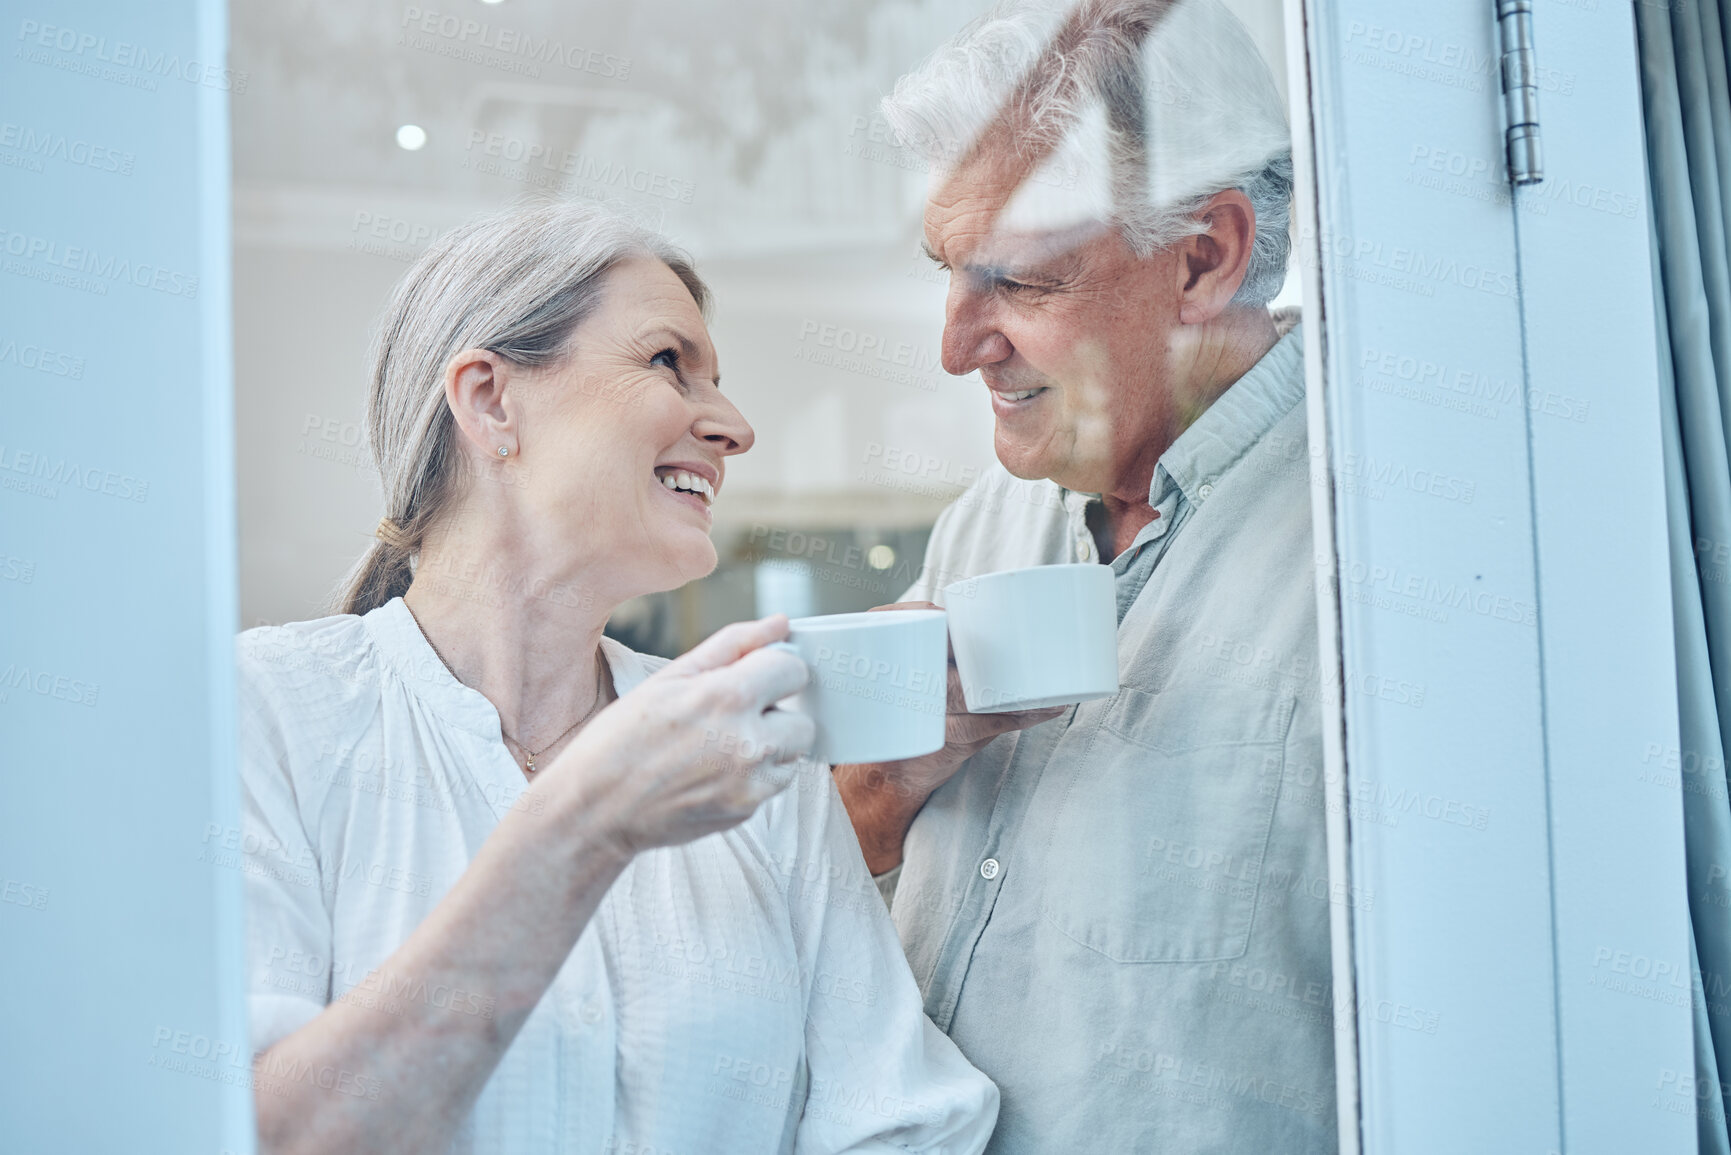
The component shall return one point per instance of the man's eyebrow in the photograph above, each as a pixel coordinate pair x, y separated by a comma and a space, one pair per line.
995, 272
989, 270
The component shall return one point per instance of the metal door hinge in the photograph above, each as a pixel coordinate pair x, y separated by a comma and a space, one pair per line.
1520, 75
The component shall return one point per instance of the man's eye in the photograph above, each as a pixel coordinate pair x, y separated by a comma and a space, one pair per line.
667, 357
1014, 287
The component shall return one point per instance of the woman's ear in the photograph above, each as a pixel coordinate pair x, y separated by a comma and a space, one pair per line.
1212, 264
477, 389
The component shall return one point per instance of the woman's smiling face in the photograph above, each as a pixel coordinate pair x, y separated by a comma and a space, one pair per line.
624, 443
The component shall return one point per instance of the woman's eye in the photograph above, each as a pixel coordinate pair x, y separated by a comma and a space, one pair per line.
667, 357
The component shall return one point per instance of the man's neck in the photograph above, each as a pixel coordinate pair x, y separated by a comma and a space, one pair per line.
1119, 523
1218, 354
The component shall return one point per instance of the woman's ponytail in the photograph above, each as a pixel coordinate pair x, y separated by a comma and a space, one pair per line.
383, 573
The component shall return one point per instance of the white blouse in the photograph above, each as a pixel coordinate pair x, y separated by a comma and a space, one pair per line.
742, 993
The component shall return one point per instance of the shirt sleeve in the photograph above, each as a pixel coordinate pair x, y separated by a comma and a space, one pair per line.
999, 522
288, 928
882, 1077
936, 568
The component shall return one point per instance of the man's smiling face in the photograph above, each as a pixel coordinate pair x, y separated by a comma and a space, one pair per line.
1072, 333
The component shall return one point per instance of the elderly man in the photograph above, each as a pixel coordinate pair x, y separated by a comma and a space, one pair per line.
1119, 910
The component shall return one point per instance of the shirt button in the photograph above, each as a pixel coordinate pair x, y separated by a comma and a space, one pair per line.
591, 1012
989, 869
1085, 551
1205, 491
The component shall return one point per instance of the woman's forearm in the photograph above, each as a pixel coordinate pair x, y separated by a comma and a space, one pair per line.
359, 1078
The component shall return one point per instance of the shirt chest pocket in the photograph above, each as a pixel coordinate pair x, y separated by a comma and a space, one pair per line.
1158, 841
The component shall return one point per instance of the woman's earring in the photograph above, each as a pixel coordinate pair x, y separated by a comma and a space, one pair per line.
503, 452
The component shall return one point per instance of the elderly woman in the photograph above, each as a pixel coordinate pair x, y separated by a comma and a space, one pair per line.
511, 886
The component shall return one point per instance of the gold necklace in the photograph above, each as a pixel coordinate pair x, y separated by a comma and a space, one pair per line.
531, 755
601, 673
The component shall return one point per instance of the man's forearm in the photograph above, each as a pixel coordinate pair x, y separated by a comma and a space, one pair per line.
881, 807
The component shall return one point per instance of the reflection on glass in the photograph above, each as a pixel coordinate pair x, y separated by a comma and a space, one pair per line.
1017, 314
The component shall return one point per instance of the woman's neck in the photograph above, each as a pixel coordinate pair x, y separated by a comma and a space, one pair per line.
525, 634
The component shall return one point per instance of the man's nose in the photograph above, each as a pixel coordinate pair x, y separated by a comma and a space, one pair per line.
971, 339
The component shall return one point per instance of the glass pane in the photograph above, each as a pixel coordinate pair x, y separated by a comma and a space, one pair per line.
1025, 268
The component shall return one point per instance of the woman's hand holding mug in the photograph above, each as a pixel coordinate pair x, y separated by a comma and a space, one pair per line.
696, 748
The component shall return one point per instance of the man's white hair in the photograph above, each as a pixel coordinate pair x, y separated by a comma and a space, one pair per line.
1145, 148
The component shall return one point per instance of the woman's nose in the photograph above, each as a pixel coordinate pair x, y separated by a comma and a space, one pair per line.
722, 425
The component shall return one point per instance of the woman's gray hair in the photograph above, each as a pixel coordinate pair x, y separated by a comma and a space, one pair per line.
517, 283
1196, 114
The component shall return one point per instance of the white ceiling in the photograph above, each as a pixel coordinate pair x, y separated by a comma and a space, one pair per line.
746, 109
743, 109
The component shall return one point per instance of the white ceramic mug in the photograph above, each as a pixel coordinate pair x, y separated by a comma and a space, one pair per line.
1026, 638
877, 683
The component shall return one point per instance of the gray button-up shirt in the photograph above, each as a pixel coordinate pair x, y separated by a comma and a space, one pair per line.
1121, 915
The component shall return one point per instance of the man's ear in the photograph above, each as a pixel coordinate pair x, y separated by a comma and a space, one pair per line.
1212, 264
476, 388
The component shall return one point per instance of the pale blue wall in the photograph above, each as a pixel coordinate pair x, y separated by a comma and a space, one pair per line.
117, 604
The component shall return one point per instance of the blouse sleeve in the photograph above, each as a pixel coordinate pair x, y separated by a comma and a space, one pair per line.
288, 928
882, 1077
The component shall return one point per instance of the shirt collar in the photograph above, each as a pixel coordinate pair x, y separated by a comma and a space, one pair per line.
1230, 427
404, 648
1225, 432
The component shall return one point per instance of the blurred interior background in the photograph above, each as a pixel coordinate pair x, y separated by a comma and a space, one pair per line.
747, 131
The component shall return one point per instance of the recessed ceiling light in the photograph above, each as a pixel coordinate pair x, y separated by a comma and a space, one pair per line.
881, 557
412, 137
492, 1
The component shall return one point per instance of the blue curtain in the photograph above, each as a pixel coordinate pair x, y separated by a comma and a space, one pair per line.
1688, 115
